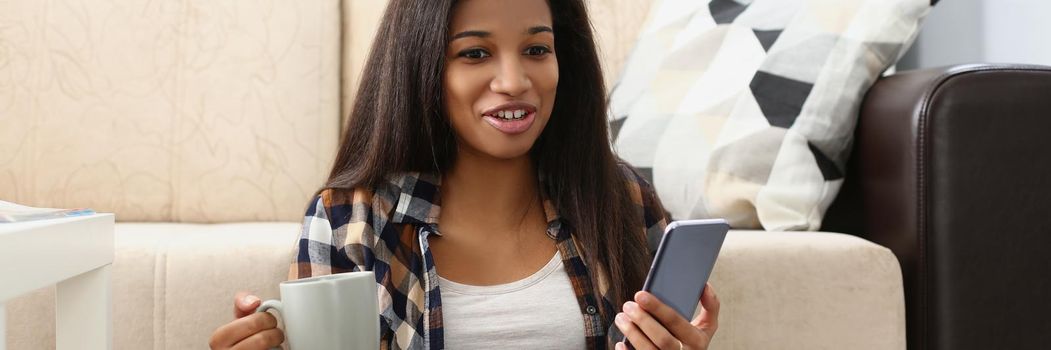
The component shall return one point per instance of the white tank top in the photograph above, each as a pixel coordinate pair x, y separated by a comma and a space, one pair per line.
538, 312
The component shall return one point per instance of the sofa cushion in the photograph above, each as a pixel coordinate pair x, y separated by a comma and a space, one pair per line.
174, 284
746, 109
188, 111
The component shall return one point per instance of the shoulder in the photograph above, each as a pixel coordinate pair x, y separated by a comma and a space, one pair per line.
637, 184
648, 203
640, 189
341, 206
335, 204
334, 232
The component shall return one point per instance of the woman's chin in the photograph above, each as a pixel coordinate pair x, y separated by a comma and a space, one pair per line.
508, 153
507, 150
489, 143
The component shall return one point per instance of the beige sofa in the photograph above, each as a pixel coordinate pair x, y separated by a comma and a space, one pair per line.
206, 125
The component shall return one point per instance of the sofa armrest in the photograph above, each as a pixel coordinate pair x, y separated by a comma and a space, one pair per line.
950, 171
807, 290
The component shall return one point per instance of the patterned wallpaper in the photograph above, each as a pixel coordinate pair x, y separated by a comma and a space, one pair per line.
190, 110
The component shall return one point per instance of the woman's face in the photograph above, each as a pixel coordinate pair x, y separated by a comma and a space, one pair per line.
501, 74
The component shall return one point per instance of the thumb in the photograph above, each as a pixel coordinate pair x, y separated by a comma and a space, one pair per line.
245, 304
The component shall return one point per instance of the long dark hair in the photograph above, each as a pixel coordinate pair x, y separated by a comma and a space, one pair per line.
396, 126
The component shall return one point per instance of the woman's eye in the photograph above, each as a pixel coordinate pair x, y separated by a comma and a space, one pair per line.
474, 54
537, 50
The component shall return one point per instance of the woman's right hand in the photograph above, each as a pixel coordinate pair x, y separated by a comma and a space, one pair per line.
249, 329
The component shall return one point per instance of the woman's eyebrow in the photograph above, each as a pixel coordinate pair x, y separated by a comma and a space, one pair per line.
539, 29
464, 34
484, 34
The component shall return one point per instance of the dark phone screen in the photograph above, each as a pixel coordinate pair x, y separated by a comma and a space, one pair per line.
682, 265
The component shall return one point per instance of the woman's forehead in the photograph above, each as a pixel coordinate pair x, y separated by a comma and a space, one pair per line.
499, 15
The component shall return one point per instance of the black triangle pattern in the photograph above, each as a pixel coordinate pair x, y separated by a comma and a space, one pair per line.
781, 99
767, 38
726, 11
615, 125
829, 170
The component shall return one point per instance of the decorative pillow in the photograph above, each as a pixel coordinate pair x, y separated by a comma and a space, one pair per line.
746, 110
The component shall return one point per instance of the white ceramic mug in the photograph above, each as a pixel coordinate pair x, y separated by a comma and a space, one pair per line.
329, 312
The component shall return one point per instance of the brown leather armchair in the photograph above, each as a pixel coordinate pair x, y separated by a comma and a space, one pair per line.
951, 170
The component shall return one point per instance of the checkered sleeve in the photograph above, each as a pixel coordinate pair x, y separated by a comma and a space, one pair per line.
323, 247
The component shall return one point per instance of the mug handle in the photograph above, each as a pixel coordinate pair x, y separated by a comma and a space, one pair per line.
272, 304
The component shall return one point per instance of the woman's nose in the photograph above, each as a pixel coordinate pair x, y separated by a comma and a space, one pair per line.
511, 79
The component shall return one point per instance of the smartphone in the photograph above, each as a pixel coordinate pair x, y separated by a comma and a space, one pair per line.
683, 262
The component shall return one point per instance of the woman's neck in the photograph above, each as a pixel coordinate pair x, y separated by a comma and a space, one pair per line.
498, 193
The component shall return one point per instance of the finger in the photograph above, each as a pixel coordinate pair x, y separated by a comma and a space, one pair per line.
245, 304
654, 330
632, 332
242, 328
708, 319
671, 321
263, 340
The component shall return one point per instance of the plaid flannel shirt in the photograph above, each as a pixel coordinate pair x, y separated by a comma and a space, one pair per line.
385, 230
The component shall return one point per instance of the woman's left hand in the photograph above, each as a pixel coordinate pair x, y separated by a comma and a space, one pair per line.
650, 324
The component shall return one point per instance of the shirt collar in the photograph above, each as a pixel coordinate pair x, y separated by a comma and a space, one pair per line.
419, 199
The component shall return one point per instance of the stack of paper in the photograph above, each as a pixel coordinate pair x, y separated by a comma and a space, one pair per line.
11, 212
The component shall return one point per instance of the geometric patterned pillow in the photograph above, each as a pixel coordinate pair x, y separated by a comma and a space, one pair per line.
746, 110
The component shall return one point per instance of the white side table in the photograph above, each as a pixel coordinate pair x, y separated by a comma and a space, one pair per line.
74, 253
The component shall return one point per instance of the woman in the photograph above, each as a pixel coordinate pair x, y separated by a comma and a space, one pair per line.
476, 179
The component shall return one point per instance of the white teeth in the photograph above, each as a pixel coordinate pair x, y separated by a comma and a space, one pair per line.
510, 115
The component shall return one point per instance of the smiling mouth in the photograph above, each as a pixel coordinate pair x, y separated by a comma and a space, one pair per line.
517, 114
512, 122
511, 118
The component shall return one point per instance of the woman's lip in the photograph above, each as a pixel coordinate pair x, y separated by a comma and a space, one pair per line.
511, 127
510, 106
